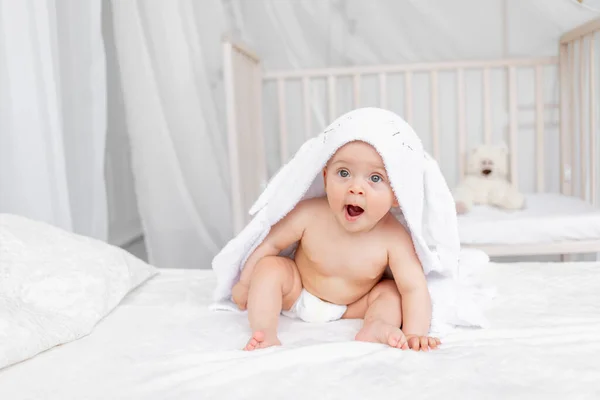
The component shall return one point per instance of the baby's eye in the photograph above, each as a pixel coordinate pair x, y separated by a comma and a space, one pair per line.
376, 178
343, 173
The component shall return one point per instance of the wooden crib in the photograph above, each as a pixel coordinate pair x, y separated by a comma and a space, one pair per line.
453, 106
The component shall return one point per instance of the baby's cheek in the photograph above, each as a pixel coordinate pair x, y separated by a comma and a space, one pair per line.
336, 195
381, 187
385, 195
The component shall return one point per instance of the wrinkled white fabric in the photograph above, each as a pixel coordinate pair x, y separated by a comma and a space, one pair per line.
426, 208
163, 343
55, 285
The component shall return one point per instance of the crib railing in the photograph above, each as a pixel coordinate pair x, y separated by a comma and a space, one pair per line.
433, 70
580, 111
245, 83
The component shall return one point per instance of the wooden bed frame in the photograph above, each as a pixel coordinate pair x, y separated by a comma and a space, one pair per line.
574, 68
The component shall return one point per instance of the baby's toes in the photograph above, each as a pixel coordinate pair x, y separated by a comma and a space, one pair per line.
433, 343
424, 344
413, 343
255, 340
403, 343
396, 339
251, 345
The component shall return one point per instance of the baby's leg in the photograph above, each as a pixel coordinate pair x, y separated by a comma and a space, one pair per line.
381, 310
274, 285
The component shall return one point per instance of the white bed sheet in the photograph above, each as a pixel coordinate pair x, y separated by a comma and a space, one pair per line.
547, 218
162, 342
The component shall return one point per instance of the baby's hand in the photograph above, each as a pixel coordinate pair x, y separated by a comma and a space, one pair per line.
239, 295
424, 343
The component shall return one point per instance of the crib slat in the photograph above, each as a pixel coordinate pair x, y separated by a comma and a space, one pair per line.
283, 144
408, 106
229, 80
382, 90
572, 114
487, 119
583, 164
356, 85
512, 99
435, 140
331, 96
565, 154
592, 108
306, 101
462, 130
257, 79
539, 127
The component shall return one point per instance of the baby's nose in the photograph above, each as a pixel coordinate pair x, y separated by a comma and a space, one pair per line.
356, 190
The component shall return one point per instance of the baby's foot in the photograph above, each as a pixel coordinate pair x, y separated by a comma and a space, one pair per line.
261, 341
377, 331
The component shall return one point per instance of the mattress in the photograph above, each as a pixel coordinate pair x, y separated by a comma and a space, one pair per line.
163, 342
547, 218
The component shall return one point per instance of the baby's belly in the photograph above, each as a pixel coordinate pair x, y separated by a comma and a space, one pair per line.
337, 291
334, 289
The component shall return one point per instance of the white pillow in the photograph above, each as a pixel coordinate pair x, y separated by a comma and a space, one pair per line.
55, 286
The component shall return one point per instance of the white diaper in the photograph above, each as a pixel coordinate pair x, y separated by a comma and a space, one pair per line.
310, 308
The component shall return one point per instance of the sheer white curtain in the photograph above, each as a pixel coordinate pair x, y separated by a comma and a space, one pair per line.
171, 67
53, 113
178, 153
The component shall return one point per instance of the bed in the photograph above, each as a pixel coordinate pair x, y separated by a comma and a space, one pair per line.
163, 342
453, 106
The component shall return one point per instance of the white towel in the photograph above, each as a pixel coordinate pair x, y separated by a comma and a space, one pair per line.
426, 210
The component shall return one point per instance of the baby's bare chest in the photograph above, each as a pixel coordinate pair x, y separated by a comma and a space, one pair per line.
336, 254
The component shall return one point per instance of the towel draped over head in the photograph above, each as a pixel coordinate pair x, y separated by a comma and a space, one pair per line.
426, 208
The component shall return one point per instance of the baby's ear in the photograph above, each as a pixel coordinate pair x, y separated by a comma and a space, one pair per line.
325, 177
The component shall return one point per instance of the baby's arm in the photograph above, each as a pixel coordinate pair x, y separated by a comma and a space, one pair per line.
410, 280
283, 234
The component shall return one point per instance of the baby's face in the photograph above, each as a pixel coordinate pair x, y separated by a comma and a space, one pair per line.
357, 187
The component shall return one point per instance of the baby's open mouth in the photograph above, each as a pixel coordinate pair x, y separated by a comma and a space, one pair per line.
354, 211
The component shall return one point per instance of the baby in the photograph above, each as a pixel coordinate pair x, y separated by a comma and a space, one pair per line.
346, 241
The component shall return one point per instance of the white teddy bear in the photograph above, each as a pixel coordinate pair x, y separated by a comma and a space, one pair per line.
486, 181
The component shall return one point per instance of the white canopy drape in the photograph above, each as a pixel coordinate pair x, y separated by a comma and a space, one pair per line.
53, 113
